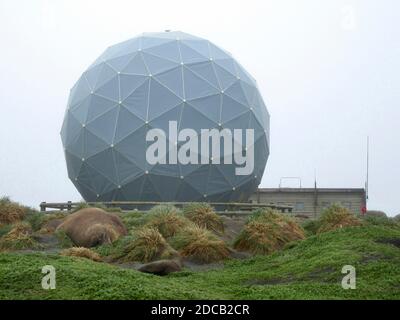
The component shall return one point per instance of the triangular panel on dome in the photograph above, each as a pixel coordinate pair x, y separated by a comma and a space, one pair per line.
165, 186
249, 91
156, 64
93, 144
92, 75
259, 130
195, 86
231, 109
198, 178
123, 48
77, 145
98, 106
105, 75
136, 66
74, 164
244, 75
206, 71
80, 110
109, 89
209, 106
163, 120
86, 193
186, 191
189, 55
127, 123
193, 119
218, 53
168, 50
79, 91
235, 91
172, 79
162, 99
199, 46
94, 180
216, 182
126, 169
70, 128
149, 41
225, 78
149, 192
226, 64
129, 83
138, 101
132, 190
132, 147
104, 162
104, 126
119, 63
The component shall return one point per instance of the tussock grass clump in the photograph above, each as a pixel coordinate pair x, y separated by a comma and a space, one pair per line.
81, 252
267, 231
336, 217
311, 226
147, 245
63, 240
18, 238
167, 219
200, 245
10, 211
203, 215
380, 221
133, 219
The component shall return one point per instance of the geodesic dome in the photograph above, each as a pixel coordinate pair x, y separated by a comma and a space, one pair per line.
150, 82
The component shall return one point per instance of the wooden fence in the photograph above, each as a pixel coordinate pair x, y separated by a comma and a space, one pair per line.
230, 208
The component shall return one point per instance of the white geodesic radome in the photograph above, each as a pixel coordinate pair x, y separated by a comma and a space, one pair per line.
148, 83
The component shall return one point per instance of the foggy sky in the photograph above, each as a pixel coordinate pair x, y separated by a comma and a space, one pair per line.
329, 72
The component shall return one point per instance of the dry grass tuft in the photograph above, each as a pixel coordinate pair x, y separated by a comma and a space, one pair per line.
147, 245
10, 212
167, 219
200, 245
268, 231
81, 252
336, 217
203, 215
18, 238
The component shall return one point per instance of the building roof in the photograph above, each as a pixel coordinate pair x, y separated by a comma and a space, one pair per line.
312, 190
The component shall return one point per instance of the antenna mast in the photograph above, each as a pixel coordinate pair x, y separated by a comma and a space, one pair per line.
367, 182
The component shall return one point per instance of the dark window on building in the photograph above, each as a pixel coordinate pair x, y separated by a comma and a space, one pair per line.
299, 206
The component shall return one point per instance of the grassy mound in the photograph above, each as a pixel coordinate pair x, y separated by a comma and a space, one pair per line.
336, 217
200, 245
267, 231
11, 212
81, 252
309, 270
167, 219
203, 215
18, 238
375, 213
147, 244
132, 219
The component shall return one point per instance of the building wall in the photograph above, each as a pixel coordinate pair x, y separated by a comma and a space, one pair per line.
310, 201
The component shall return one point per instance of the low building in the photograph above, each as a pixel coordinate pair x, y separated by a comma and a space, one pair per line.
312, 201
